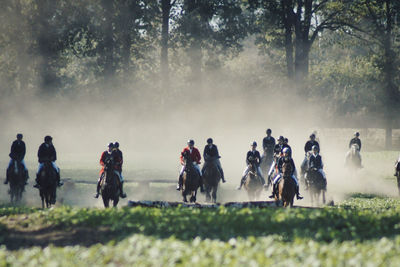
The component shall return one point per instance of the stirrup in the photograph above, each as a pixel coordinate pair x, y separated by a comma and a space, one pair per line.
272, 196
122, 195
299, 197
60, 184
96, 195
5, 182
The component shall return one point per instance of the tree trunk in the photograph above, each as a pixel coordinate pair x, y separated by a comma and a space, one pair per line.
108, 42
166, 9
287, 10
392, 96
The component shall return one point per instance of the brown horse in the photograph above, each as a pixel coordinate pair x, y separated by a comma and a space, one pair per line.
253, 184
286, 187
191, 179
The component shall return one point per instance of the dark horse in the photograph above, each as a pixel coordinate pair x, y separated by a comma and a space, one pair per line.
286, 187
190, 179
266, 162
109, 187
253, 183
211, 178
48, 184
316, 184
17, 176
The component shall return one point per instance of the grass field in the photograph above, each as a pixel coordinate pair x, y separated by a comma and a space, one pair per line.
362, 229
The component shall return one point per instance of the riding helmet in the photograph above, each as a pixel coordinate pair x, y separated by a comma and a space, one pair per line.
357, 134
110, 144
19, 136
314, 147
191, 142
209, 141
116, 144
254, 143
269, 131
281, 138
312, 135
286, 150
48, 138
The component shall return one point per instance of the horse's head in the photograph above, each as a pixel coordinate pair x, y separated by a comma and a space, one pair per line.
186, 157
287, 169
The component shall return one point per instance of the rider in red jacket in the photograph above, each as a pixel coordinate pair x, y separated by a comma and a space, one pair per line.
107, 155
196, 157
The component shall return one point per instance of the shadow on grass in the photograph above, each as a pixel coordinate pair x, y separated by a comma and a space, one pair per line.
73, 226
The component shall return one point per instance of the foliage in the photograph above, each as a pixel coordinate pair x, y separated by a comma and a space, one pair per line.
360, 231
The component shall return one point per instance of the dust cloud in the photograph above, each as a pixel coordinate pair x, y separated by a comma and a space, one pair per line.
152, 134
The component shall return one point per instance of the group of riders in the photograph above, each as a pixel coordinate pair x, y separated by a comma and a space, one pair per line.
279, 153
46, 153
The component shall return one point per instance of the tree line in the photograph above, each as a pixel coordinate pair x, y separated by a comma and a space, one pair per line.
343, 51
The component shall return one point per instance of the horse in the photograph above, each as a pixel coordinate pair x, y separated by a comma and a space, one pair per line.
397, 174
190, 179
317, 185
109, 188
211, 178
353, 158
286, 187
266, 162
17, 176
48, 185
253, 183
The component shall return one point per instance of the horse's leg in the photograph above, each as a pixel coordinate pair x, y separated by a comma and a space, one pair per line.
214, 194
115, 202
398, 181
208, 196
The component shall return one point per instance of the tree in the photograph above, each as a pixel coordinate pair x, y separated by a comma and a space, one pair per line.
295, 25
377, 24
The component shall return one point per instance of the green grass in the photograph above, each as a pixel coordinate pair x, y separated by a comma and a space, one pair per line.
364, 230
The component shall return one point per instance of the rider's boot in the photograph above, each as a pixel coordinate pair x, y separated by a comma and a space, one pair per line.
273, 192
121, 189
222, 175
97, 189
6, 181
241, 183
180, 182
59, 183
298, 193
36, 185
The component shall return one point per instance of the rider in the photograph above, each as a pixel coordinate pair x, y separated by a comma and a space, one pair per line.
356, 140
279, 146
315, 162
286, 144
252, 157
397, 166
269, 142
211, 155
105, 156
17, 153
308, 148
286, 158
47, 153
196, 157
118, 160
